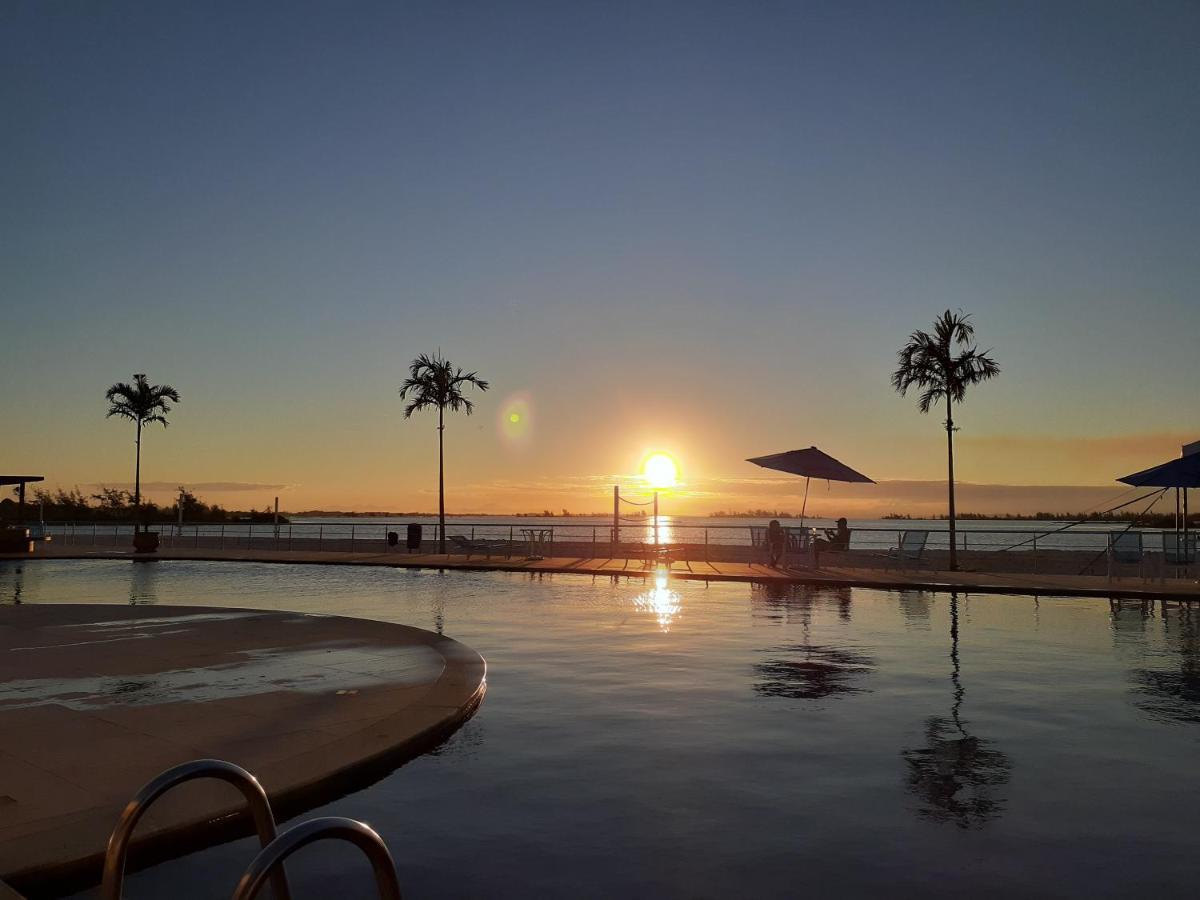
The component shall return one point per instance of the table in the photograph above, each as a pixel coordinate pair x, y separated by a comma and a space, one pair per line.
799, 540
537, 541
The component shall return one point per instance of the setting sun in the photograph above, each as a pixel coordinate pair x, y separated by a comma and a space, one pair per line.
660, 470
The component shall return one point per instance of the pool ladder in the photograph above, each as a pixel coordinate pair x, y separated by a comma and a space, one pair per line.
267, 865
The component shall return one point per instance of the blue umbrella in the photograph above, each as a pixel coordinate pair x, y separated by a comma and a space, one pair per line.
810, 463
1181, 474
1178, 473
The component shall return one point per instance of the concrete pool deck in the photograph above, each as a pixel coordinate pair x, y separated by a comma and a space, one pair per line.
96, 700
839, 576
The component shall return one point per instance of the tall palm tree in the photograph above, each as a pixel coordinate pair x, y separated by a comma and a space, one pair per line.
142, 403
434, 383
928, 362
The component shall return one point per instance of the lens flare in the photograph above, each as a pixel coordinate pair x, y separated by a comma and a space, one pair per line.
514, 421
660, 471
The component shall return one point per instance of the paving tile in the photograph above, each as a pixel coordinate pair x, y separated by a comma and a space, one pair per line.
29, 794
78, 736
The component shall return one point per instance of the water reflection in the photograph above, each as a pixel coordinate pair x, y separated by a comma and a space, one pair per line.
1130, 618
955, 776
793, 604
915, 606
1170, 693
143, 583
12, 583
666, 534
807, 672
660, 601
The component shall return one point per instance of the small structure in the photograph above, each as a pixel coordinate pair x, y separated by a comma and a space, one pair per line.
1183, 474
20, 481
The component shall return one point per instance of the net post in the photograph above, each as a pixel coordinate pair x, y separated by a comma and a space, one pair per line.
616, 529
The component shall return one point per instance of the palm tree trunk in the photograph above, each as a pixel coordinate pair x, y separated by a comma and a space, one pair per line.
137, 480
441, 484
950, 457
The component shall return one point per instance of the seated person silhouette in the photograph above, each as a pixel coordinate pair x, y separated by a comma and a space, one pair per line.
776, 537
835, 538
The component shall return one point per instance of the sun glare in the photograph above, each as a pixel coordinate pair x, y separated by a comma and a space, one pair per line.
660, 470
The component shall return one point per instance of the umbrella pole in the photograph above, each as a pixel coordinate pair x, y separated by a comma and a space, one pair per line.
804, 508
1186, 548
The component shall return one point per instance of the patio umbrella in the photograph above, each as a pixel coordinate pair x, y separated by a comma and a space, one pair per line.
1181, 474
810, 463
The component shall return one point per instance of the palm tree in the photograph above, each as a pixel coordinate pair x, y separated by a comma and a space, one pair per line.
142, 403
928, 362
433, 382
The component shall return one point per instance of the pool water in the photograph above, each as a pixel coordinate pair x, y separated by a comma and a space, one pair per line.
683, 739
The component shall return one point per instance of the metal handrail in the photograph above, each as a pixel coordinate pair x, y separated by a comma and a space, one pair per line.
353, 536
256, 800
331, 827
676, 522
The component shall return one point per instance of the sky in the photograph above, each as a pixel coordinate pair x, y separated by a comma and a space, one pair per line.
696, 228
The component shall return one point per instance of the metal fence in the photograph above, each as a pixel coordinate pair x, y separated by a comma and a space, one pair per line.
694, 540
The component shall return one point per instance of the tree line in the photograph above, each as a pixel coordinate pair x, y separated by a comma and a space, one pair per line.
116, 505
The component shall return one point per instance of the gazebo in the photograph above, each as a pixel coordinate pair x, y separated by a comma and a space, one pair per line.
1183, 474
20, 481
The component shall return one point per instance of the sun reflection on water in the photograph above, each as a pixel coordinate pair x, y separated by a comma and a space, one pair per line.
665, 532
660, 601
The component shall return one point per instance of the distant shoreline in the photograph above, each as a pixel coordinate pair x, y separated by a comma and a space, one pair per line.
1152, 520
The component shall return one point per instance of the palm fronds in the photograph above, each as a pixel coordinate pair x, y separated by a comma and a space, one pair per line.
141, 401
927, 362
434, 383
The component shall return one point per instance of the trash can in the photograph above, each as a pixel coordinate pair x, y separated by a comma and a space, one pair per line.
414, 537
15, 540
392, 539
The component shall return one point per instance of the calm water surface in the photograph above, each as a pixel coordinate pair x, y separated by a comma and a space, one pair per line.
683, 740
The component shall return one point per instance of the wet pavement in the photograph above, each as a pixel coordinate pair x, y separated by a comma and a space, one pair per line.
95, 701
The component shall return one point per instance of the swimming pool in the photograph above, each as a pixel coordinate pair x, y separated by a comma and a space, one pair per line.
682, 739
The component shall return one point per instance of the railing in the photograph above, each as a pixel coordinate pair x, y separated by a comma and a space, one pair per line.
328, 828
1049, 550
268, 863
369, 536
256, 799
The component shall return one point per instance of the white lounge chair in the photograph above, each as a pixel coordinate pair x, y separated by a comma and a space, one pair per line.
470, 546
1126, 547
1175, 552
911, 548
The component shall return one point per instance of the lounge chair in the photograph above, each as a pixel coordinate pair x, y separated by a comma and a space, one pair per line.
1175, 552
1126, 547
758, 540
911, 548
469, 546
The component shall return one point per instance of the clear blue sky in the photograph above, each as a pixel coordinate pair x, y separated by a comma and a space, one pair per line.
701, 227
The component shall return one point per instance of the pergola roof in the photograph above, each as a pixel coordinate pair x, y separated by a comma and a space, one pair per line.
20, 479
